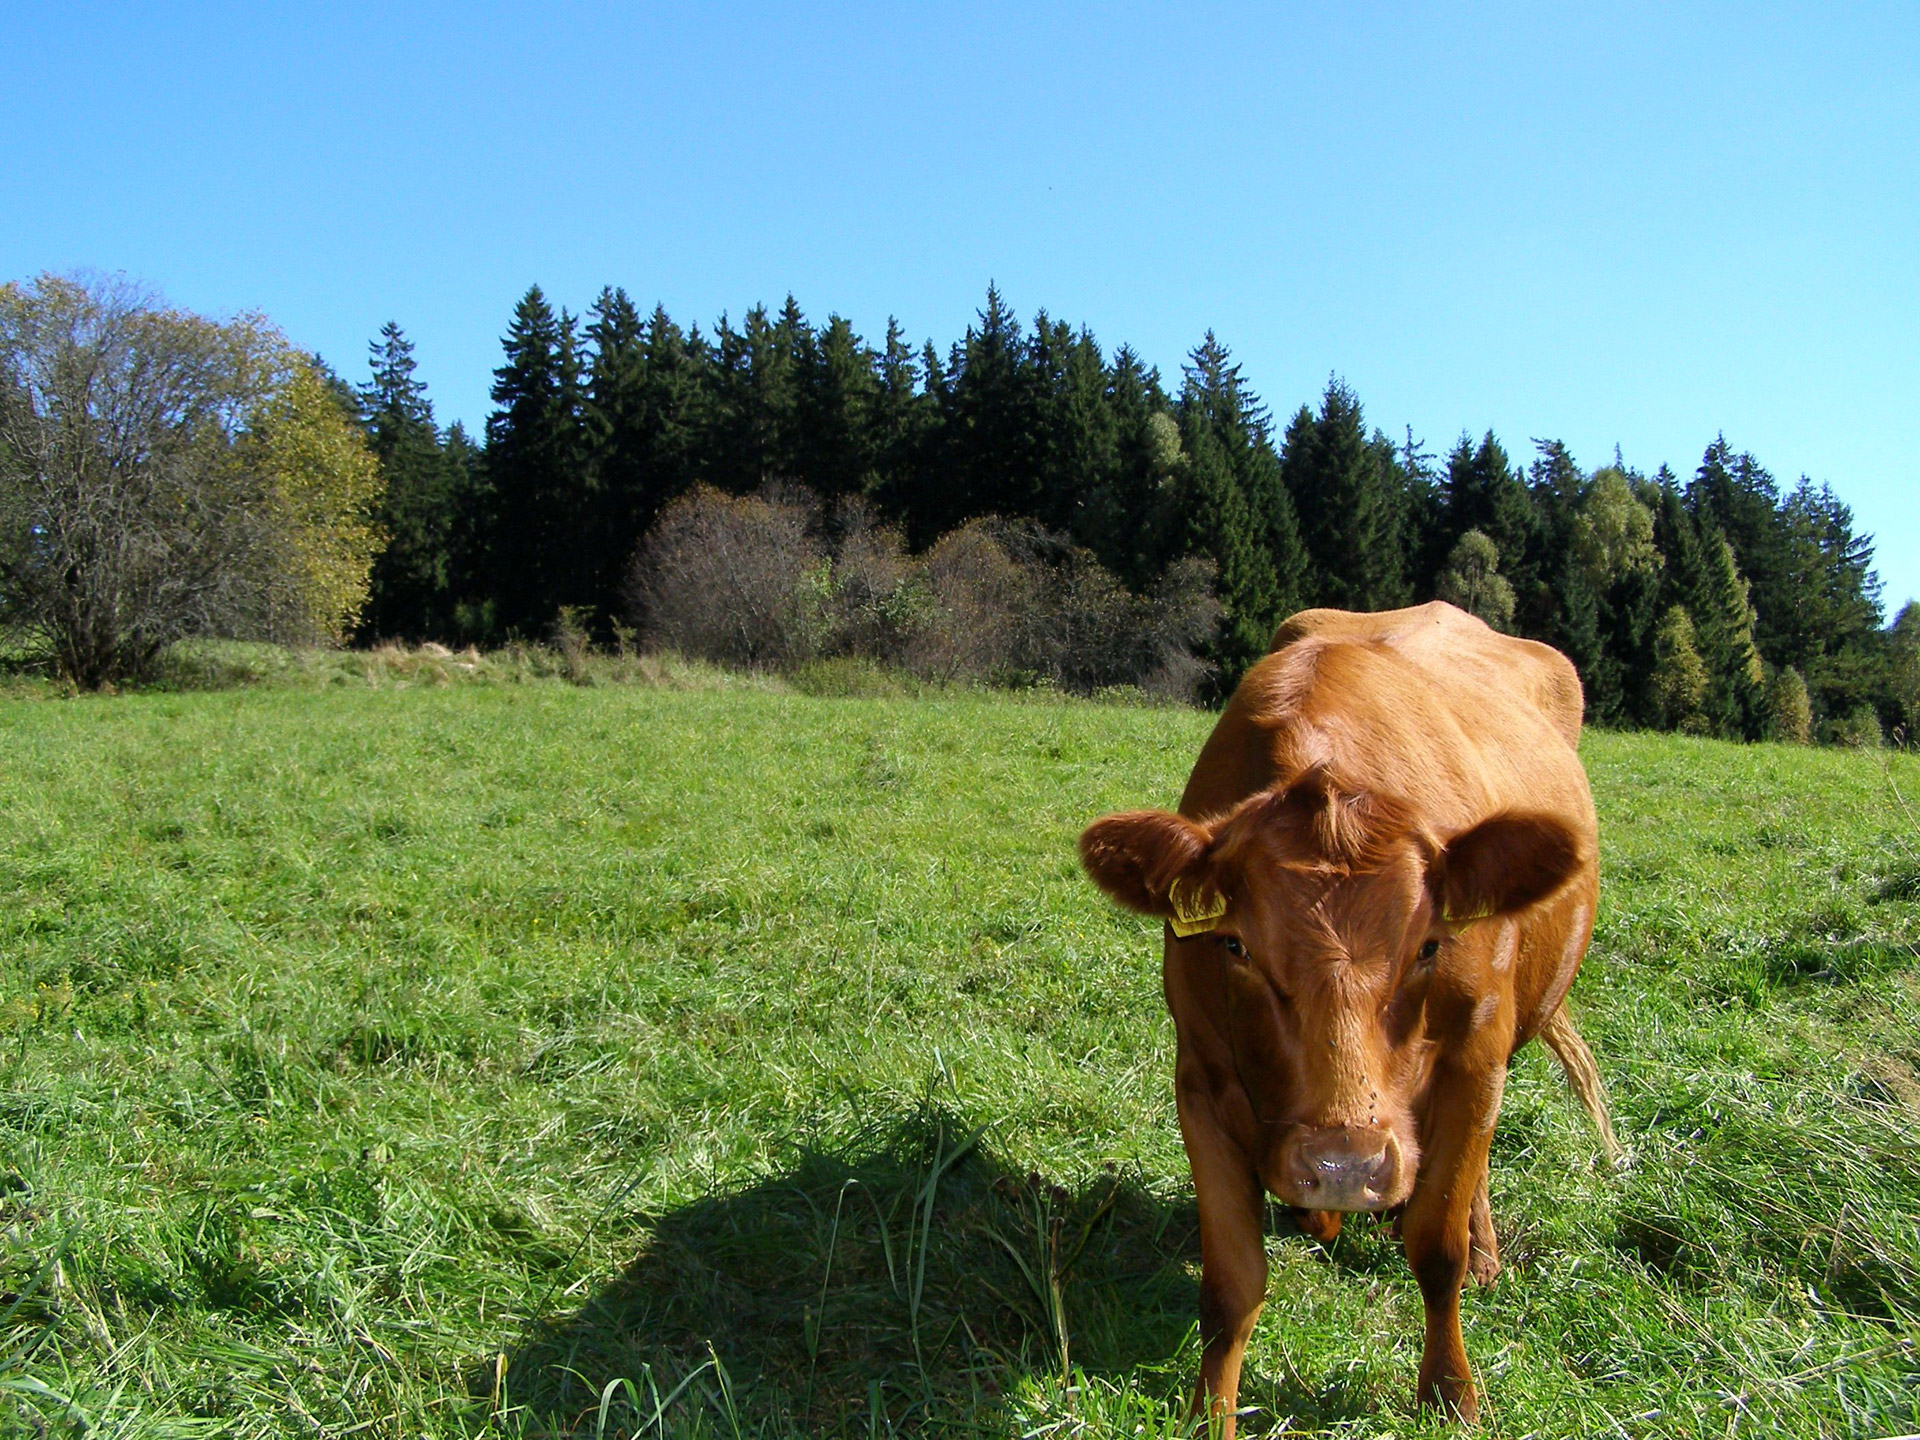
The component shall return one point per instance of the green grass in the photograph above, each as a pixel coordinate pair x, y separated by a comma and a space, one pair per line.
387, 1057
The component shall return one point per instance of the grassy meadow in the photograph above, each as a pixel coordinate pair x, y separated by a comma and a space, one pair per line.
696, 1057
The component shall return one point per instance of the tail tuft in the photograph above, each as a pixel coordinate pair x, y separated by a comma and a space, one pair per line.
1583, 1077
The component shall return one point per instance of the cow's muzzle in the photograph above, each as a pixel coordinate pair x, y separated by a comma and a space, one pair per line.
1340, 1167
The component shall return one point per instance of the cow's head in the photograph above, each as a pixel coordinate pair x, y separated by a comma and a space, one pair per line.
1332, 917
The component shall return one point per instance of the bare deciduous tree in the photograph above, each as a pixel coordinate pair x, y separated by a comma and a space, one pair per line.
163, 476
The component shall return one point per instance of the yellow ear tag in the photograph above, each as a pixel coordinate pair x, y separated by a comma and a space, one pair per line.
1193, 914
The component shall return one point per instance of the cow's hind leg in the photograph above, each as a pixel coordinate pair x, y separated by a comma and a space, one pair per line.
1483, 1252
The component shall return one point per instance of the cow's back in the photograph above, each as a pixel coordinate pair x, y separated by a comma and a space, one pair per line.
1428, 704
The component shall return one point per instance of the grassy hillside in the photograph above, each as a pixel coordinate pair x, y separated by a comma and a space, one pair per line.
527, 1059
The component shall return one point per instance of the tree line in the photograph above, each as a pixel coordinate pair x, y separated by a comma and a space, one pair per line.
1723, 603
1023, 505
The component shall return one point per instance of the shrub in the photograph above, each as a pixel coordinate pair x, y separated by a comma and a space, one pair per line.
1858, 729
1789, 710
741, 580
757, 582
974, 607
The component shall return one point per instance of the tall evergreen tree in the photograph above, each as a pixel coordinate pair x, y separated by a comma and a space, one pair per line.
903, 415
536, 464
1734, 494
410, 593
1240, 515
1344, 495
1610, 550
1077, 437
1129, 519
1723, 623
987, 463
1482, 492
624, 491
838, 395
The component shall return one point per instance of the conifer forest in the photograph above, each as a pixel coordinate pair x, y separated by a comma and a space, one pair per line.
1079, 518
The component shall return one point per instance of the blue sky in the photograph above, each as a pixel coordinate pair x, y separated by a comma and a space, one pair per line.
1611, 225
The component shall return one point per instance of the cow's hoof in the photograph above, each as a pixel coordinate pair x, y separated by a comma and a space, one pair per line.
1483, 1266
1451, 1396
1322, 1225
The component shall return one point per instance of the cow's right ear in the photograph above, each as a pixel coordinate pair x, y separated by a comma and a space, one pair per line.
1136, 857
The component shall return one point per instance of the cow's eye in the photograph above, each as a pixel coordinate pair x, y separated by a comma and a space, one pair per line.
1234, 947
1430, 949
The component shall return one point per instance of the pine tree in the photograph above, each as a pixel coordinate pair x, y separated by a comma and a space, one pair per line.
1239, 514
1551, 602
1344, 497
1723, 627
410, 591
1834, 631
902, 418
1678, 684
987, 460
1220, 528
1611, 555
469, 579
1129, 519
1077, 441
536, 464
1482, 492
624, 492
1423, 506
838, 394
1733, 494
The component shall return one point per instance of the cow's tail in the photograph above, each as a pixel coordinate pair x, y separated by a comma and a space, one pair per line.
1583, 1076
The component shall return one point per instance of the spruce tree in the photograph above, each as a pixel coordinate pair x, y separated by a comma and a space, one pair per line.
1482, 492
988, 442
1611, 555
624, 492
1130, 521
1733, 494
1677, 687
1078, 440
838, 393
410, 592
1723, 626
1220, 527
902, 419
1344, 496
1239, 514
536, 465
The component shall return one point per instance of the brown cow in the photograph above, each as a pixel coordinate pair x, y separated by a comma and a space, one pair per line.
1379, 885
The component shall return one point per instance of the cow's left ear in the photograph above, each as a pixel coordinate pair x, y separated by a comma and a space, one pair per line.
1504, 864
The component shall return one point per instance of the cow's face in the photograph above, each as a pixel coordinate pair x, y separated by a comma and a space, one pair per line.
1329, 917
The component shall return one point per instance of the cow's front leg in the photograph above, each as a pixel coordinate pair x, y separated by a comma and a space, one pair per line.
1233, 1259
1439, 1228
